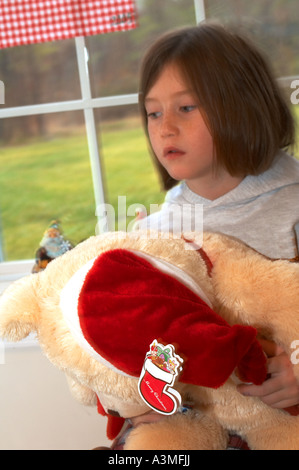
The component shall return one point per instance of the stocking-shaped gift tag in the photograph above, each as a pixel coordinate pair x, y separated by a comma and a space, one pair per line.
160, 370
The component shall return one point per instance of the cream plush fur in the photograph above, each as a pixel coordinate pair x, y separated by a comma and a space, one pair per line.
244, 288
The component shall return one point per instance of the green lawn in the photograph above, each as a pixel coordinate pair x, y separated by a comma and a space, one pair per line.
46, 180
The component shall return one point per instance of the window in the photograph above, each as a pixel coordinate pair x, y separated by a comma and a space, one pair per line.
40, 73
56, 123
72, 140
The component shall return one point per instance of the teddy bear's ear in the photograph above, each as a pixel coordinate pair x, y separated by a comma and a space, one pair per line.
19, 309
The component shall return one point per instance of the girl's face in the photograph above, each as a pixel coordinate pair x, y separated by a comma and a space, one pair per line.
181, 139
178, 133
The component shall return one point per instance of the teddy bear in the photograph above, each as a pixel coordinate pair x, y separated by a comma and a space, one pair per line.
146, 321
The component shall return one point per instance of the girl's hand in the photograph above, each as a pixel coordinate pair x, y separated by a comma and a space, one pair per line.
281, 389
149, 417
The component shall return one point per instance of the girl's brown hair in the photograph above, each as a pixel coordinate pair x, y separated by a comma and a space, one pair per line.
246, 113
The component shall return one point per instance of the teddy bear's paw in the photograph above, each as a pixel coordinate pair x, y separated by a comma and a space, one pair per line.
19, 309
282, 433
190, 431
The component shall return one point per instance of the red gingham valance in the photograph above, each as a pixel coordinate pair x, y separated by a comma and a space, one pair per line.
32, 21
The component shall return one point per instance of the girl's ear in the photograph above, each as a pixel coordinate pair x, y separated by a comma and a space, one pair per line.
19, 309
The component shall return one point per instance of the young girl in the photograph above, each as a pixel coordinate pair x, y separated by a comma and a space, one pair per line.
217, 125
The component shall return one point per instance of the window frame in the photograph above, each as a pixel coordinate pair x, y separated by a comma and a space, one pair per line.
87, 104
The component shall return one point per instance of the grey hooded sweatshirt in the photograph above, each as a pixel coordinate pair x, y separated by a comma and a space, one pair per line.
262, 211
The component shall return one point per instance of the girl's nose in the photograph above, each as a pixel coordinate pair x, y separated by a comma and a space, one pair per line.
168, 126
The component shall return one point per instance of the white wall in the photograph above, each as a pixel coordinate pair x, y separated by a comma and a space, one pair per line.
37, 411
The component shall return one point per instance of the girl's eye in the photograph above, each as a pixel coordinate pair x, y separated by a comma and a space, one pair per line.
188, 109
154, 115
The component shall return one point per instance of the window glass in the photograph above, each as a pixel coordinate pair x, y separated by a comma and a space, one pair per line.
44, 178
130, 179
115, 58
114, 61
40, 73
274, 24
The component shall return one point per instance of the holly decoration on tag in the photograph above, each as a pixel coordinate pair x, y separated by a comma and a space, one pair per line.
159, 373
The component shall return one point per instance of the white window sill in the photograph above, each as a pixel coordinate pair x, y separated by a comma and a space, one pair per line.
12, 270
29, 342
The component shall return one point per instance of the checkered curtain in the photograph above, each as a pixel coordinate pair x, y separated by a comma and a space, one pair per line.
33, 21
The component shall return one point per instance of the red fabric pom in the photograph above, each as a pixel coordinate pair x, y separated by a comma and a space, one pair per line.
114, 425
126, 303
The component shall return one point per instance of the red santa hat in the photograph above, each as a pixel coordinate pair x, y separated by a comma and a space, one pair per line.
118, 303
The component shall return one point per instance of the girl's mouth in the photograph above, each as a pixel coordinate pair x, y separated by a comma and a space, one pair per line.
172, 152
